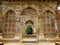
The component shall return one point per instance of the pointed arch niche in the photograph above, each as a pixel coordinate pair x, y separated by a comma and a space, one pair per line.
29, 11
29, 29
49, 24
9, 27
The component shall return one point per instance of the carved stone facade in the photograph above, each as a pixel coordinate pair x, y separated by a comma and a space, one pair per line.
17, 16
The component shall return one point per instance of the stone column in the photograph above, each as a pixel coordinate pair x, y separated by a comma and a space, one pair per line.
56, 28
58, 21
41, 28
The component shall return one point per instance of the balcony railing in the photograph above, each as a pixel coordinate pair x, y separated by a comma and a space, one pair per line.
8, 35
13, 35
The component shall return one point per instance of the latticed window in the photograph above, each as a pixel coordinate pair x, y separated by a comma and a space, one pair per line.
9, 30
49, 24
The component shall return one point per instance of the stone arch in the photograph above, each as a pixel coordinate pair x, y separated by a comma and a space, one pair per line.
49, 15
10, 11
29, 21
29, 11
49, 12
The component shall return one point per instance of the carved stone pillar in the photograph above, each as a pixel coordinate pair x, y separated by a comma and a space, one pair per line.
58, 20
41, 28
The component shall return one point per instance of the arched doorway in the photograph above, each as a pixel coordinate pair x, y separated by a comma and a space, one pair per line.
30, 22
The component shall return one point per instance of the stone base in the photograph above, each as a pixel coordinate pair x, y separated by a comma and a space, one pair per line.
40, 43
41, 36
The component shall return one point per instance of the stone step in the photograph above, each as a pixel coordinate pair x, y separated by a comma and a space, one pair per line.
30, 40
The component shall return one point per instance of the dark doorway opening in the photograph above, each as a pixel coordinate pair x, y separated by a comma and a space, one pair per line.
57, 44
1, 43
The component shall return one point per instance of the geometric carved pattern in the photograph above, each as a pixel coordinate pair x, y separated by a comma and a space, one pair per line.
28, 11
49, 28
